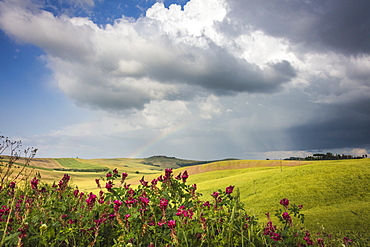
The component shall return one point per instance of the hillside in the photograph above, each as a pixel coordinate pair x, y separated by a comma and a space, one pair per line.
85, 171
335, 194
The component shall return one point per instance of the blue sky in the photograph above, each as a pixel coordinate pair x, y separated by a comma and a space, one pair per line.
197, 79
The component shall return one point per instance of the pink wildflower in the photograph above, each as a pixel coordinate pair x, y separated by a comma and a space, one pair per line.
154, 182
91, 200
320, 242
287, 217
346, 241
184, 176
143, 182
163, 203
178, 177
124, 176
12, 185
97, 181
284, 202
144, 201
171, 224
109, 185
215, 194
229, 189
34, 182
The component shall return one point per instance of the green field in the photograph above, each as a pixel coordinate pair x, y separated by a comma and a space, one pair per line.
335, 194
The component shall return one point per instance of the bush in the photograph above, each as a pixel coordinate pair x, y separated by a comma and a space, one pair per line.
163, 212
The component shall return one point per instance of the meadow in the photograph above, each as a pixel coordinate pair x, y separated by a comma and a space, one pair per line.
335, 194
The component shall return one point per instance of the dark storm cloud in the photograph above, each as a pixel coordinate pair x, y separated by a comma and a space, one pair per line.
220, 73
256, 76
342, 26
338, 87
342, 131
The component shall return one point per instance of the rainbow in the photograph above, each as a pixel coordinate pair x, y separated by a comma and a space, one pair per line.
137, 153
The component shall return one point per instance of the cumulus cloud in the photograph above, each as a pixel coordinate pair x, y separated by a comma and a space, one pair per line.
302, 67
321, 25
359, 152
162, 56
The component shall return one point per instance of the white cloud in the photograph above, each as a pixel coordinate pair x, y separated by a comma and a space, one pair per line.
202, 63
359, 152
210, 107
157, 57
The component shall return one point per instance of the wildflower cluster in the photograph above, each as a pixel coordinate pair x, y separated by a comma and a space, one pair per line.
162, 212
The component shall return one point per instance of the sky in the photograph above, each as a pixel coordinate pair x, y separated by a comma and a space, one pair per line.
194, 79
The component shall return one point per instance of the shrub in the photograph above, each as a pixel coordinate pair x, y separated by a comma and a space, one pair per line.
163, 212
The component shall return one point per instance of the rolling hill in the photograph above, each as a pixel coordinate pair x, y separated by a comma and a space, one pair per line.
335, 193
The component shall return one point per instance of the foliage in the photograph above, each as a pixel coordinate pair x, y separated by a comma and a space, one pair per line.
332, 192
164, 212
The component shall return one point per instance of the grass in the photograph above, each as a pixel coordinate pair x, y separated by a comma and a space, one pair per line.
335, 194
78, 164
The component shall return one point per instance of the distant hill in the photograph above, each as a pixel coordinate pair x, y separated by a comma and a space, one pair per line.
173, 162
84, 171
335, 194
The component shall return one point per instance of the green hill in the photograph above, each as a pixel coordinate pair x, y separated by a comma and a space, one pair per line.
335, 194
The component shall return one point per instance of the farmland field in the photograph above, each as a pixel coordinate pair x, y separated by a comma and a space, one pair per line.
335, 194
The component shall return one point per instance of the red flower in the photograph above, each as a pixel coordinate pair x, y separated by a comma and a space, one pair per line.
320, 242
109, 185
91, 200
12, 185
284, 202
215, 194
276, 237
171, 224
163, 203
97, 182
143, 182
154, 182
117, 202
184, 176
229, 189
34, 182
124, 176
144, 201
346, 241
287, 217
